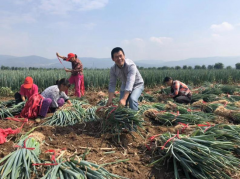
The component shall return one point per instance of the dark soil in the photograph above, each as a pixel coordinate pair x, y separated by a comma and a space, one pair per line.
81, 136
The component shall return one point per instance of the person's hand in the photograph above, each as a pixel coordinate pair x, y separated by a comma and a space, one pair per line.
122, 102
170, 96
57, 54
109, 103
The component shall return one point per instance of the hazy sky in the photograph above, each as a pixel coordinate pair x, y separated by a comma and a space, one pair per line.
145, 29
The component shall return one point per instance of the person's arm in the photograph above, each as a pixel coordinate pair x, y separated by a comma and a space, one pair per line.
23, 98
132, 70
112, 86
22, 93
176, 89
62, 57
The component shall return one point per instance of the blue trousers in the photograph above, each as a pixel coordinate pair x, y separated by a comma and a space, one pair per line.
133, 97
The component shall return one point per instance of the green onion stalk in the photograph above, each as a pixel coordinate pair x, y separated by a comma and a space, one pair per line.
18, 164
77, 169
202, 157
11, 111
68, 116
117, 119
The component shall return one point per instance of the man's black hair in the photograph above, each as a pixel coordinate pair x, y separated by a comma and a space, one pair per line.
167, 79
116, 50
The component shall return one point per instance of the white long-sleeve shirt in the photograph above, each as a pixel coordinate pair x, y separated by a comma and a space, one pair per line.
128, 75
54, 93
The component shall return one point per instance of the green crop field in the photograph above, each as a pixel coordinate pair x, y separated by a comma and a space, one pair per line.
95, 79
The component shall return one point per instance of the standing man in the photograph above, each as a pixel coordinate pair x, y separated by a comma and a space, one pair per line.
77, 77
132, 82
180, 91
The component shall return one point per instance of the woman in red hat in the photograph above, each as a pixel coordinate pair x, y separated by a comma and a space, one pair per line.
28, 88
77, 77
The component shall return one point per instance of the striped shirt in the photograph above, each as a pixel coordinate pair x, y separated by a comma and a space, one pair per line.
77, 67
180, 89
128, 75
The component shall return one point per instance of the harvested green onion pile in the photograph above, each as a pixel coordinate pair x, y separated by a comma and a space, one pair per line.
233, 98
145, 107
210, 97
202, 156
222, 132
215, 91
147, 97
210, 108
192, 119
166, 118
115, 119
9, 103
12, 110
228, 89
79, 169
18, 164
196, 97
68, 116
90, 114
159, 106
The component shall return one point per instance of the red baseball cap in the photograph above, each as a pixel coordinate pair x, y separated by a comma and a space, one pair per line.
70, 55
28, 82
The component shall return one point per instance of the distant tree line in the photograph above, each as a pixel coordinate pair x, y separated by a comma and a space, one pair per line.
196, 67
185, 67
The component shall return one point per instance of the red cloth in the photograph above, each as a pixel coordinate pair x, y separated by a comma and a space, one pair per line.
5, 132
28, 93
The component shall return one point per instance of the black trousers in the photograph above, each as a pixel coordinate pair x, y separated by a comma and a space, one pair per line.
18, 97
183, 99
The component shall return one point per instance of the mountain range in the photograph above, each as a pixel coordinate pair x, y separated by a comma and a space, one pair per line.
88, 62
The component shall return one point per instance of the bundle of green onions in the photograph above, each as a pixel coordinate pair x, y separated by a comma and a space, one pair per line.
166, 90
11, 111
235, 116
147, 97
79, 169
144, 108
202, 157
196, 97
215, 91
18, 164
233, 98
102, 102
210, 108
159, 106
68, 116
210, 97
210, 116
222, 132
166, 118
9, 103
228, 89
115, 119
90, 114
182, 110
191, 119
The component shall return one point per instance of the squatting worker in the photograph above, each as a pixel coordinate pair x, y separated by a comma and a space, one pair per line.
55, 96
77, 77
180, 91
28, 88
132, 82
